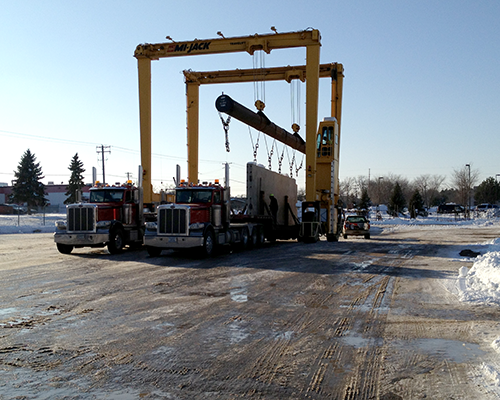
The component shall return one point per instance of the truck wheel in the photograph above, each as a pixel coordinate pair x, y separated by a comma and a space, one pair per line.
153, 251
115, 244
208, 243
64, 248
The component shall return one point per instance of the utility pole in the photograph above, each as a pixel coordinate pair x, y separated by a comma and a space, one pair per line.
128, 175
103, 149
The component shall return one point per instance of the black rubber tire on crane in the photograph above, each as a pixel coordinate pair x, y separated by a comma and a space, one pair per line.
331, 237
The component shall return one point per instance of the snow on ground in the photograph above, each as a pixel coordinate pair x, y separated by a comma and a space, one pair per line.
34, 223
479, 284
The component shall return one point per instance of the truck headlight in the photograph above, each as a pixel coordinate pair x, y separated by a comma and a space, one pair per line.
103, 224
61, 225
151, 226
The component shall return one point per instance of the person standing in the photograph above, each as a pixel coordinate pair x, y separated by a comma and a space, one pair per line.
273, 206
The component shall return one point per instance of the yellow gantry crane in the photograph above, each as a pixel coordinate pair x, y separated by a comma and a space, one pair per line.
321, 163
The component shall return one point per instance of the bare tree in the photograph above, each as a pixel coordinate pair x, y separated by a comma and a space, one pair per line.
463, 180
348, 191
429, 186
361, 184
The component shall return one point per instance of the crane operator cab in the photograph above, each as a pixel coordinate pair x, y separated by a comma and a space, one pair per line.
323, 216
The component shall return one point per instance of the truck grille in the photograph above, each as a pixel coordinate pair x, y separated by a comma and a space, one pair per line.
81, 218
172, 221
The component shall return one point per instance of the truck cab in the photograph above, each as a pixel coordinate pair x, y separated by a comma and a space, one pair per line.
113, 218
199, 219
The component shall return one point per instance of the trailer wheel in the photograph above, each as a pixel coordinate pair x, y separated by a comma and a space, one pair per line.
261, 237
116, 241
153, 251
208, 243
255, 237
244, 238
64, 248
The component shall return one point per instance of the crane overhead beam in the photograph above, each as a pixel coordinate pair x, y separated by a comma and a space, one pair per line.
288, 74
228, 45
259, 121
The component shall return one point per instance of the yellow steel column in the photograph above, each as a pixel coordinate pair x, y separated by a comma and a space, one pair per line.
144, 67
193, 97
312, 87
337, 88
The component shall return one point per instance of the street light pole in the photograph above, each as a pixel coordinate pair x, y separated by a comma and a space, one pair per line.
379, 178
468, 191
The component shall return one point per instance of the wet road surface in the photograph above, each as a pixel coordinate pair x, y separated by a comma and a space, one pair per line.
358, 319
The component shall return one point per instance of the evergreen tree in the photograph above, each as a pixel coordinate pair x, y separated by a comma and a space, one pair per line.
416, 203
365, 201
488, 191
397, 201
28, 188
76, 179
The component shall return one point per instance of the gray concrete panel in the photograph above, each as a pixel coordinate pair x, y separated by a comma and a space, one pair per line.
261, 183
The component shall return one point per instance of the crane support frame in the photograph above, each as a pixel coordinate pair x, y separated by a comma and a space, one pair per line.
194, 79
145, 53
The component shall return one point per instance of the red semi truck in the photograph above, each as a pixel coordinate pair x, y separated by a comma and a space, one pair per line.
201, 216
113, 218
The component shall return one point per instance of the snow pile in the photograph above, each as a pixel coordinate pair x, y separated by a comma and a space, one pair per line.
481, 284
492, 373
496, 345
35, 223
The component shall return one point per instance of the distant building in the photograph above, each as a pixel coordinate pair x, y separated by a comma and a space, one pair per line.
55, 195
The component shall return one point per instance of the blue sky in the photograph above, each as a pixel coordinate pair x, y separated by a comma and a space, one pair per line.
421, 88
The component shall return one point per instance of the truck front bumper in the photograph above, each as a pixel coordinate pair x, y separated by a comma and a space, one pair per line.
81, 239
173, 242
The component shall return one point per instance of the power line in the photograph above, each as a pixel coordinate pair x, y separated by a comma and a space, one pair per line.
44, 138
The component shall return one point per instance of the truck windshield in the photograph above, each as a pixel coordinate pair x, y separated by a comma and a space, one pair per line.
193, 196
106, 196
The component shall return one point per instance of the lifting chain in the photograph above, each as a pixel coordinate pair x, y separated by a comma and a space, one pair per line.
225, 125
280, 160
270, 157
256, 146
291, 165
297, 169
